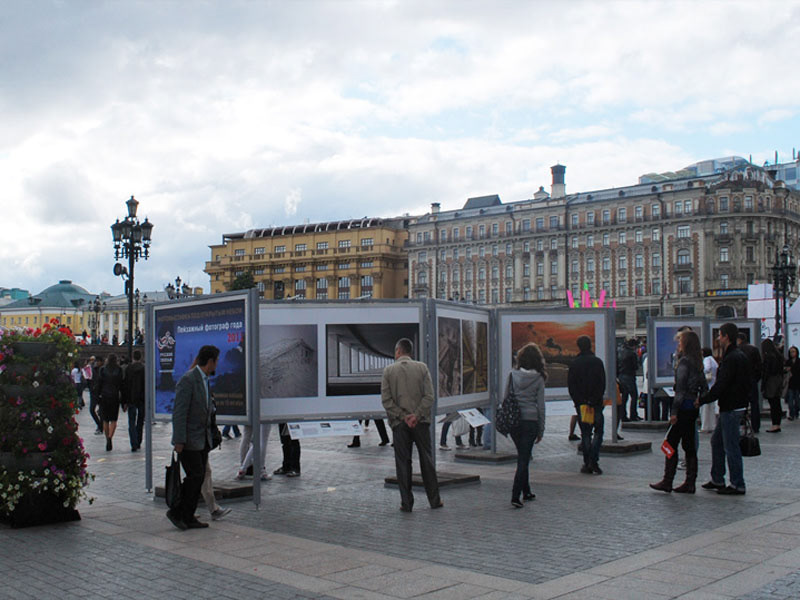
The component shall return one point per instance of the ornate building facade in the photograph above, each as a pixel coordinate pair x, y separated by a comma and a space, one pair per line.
685, 243
362, 258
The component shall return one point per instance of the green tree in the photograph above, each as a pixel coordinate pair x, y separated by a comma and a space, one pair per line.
244, 281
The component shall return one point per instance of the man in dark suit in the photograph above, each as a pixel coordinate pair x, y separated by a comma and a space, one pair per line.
407, 396
133, 396
191, 434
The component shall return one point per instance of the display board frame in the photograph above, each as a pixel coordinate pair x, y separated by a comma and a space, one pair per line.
753, 326
559, 328
661, 345
351, 324
469, 374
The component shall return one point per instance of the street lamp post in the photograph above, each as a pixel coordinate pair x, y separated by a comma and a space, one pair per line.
96, 308
784, 273
178, 290
137, 300
131, 241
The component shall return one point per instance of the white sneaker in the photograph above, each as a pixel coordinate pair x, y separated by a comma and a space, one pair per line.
444, 447
220, 513
240, 475
265, 476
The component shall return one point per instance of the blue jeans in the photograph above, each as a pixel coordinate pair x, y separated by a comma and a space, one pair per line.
590, 446
523, 438
793, 402
135, 425
725, 444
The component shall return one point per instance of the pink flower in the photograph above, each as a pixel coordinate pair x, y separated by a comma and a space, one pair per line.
43, 446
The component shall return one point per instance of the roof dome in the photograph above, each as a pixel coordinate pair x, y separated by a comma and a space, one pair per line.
64, 294
65, 286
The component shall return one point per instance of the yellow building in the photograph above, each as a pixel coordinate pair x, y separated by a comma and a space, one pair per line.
334, 260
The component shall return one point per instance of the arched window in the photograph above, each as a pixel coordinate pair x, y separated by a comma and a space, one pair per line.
684, 258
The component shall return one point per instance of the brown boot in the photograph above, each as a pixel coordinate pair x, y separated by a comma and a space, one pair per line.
670, 466
691, 476
662, 486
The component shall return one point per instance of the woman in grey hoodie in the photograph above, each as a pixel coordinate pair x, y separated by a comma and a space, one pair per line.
527, 382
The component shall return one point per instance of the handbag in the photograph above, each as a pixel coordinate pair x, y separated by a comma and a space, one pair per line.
509, 414
172, 484
773, 386
460, 427
748, 442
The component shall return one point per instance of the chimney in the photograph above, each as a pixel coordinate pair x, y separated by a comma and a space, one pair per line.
435, 208
558, 189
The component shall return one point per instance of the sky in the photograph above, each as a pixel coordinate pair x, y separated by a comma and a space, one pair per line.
222, 116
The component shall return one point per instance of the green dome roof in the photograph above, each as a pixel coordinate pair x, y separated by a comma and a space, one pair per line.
64, 294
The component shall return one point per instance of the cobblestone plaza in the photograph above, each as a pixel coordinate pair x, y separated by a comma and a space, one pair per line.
336, 531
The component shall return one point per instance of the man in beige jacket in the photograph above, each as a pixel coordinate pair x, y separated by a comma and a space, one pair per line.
407, 396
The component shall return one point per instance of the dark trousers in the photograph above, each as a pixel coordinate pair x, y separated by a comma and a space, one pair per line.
420, 435
628, 388
592, 437
380, 425
775, 411
94, 405
194, 465
523, 437
755, 407
291, 450
685, 433
135, 424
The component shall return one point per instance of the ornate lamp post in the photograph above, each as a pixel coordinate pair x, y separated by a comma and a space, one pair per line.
96, 308
131, 241
784, 273
177, 291
136, 300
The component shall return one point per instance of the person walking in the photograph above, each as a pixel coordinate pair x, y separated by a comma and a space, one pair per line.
133, 397
793, 389
772, 382
407, 397
246, 448
192, 435
732, 391
109, 386
526, 382
586, 381
626, 374
690, 383
291, 453
754, 357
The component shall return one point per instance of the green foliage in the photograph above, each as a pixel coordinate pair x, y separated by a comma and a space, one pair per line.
245, 281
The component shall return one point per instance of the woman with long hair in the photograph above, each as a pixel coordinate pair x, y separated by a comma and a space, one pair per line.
690, 382
527, 384
793, 389
109, 387
772, 381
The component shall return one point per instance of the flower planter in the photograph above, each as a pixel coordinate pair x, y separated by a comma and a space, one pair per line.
32, 461
39, 508
34, 350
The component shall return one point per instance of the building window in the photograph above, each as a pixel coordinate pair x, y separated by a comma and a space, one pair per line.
526, 293
509, 271
366, 264
684, 257
455, 276
280, 249
655, 235
684, 231
638, 236
495, 271
574, 241
482, 251
749, 254
606, 263
468, 232
575, 220
606, 239
344, 288
299, 247
422, 277
260, 286
656, 287
638, 212
684, 284
623, 288
606, 217
622, 261
526, 225
723, 281
343, 265
526, 270
322, 289
540, 293
553, 223
638, 289
622, 237
723, 228
299, 268
495, 229
723, 204
723, 255
443, 255
638, 261
259, 251
442, 235
540, 244
322, 245
684, 311
508, 249
748, 203
656, 260
468, 274
346, 243
258, 271
482, 274
590, 241
495, 296
278, 270
590, 265
687, 207
508, 295
469, 253
423, 257
323, 267
238, 252
678, 210
540, 224
455, 253
367, 242
482, 231
540, 268
300, 288
426, 236
655, 211
553, 244
455, 233
622, 215
574, 266
366, 286
481, 296
526, 246
590, 218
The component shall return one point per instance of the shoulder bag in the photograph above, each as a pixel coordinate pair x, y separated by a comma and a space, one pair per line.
748, 442
509, 414
172, 484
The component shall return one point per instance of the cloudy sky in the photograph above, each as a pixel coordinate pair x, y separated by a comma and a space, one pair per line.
221, 116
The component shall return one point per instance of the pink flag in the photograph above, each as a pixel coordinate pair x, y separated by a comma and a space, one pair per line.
602, 299
613, 304
570, 299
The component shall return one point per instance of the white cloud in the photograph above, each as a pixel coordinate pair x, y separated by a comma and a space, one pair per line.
293, 199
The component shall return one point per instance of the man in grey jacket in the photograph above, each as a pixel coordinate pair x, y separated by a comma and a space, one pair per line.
407, 396
191, 434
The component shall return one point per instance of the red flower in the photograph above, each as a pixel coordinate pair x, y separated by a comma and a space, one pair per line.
43, 446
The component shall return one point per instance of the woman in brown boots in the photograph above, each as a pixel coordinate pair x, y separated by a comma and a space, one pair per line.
689, 383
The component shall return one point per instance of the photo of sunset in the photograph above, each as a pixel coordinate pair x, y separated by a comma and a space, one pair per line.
557, 342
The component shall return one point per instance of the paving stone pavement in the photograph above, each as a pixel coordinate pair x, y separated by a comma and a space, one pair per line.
336, 532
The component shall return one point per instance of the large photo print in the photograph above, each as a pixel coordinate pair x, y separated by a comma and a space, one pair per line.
357, 353
449, 349
557, 342
475, 357
287, 361
180, 333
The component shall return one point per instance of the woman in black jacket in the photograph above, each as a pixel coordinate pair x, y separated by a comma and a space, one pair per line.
793, 390
772, 381
109, 387
690, 382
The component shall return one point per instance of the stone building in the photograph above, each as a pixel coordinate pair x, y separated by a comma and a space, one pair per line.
333, 260
683, 243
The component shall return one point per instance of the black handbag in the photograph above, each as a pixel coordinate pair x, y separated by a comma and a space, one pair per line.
172, 484
509, 414
748, 442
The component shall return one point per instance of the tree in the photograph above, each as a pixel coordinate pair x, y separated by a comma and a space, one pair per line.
244, 281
